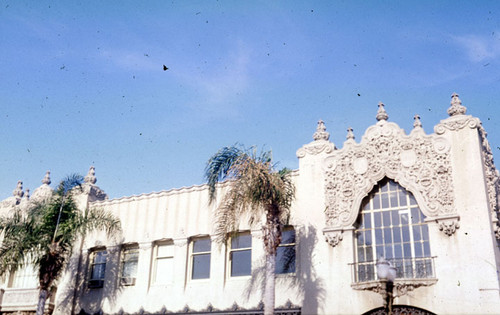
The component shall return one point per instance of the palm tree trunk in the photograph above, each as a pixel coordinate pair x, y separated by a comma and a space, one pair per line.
269, 285
42, 298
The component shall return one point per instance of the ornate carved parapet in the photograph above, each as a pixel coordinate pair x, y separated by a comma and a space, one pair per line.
421, 163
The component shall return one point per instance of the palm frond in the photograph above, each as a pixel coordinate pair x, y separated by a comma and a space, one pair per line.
219, 166
98, 219
68, 183
254, 188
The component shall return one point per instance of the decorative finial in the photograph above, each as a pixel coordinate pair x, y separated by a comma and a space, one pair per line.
46, 179
90, 178
350, 134
417, 123
18, 192
27, 194
456, 107
381, 114
321, 133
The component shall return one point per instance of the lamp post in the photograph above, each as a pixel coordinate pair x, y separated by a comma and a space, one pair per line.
387, 274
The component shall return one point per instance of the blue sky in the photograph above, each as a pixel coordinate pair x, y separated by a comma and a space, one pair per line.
81, 83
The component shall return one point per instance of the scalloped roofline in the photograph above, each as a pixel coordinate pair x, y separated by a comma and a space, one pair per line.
162, 193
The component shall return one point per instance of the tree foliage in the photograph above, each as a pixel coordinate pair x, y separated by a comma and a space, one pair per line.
43, 234
251, 187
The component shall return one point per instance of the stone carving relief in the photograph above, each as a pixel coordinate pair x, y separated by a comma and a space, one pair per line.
320, 143
419, 162
492, 181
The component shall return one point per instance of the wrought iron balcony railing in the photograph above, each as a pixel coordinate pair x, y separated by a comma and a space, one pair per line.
406, 268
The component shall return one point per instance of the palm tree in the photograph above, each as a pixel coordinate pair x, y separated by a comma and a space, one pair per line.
43, 235
254, 188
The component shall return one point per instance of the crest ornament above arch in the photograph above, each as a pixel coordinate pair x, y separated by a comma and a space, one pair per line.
419, 162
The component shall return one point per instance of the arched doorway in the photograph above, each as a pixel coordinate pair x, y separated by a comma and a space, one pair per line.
400, 310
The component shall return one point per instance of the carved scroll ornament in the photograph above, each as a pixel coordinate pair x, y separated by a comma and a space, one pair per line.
419, 162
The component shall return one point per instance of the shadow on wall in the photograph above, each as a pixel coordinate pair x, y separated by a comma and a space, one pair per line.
310, 287
97, 298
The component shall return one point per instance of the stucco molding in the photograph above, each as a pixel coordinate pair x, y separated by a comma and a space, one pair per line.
456, 123
421, 163
492, 180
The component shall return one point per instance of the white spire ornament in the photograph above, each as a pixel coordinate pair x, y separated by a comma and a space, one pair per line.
321, 133
456, 107
381, 114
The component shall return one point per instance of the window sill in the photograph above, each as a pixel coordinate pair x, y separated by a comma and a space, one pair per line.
401, 286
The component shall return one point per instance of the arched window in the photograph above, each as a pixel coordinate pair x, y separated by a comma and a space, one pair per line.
391, 226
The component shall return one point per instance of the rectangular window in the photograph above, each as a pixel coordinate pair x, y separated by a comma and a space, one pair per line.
285, 256
97, 268
163, 270
130, 260
240, 255
200, 258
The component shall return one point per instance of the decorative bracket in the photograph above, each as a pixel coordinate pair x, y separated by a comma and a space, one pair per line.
448, 224
333, 236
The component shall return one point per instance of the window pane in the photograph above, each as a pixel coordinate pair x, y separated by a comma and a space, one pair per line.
384, 186
98, 272
427, 249
130, 260
241, 241
404, 219
164, 271
406, 233
394, 199
241, 263
397, 234
376, 202
365, 204
395, 217
386, 215
360, 238
407, 250
285, 259
367, 221
368, 237
369, 254
387, 236
416, 233
393, 186
398, 251
361, 254
388, 252
201, 266
402, 198
378, 236
165, 250
100, 257
385, 201
378, 219
202, 245
418, 250
287, 237
425, 232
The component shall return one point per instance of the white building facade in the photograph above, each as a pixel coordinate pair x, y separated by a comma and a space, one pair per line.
427, 203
